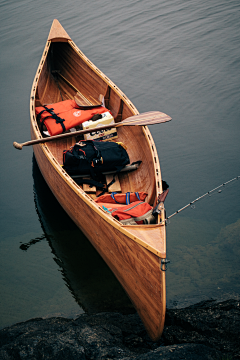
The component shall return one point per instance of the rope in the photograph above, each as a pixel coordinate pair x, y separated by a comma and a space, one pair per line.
200, 197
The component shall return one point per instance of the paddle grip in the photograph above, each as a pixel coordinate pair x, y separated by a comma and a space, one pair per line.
17, 145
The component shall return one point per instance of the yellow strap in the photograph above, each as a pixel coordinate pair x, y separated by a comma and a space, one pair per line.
123, 145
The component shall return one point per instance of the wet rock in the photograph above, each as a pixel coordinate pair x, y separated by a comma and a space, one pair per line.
207, 330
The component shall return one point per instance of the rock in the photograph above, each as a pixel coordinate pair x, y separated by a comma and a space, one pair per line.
216, 325
207, 330
185, 351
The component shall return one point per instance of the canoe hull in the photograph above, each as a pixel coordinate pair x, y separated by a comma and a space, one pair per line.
133, 253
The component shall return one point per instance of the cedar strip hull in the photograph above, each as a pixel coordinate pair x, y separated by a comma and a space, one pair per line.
133, 253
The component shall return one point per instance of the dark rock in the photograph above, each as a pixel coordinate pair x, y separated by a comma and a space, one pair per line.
216, 325
185, 351
208, 330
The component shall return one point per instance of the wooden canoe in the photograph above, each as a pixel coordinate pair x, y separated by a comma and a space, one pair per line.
133, 252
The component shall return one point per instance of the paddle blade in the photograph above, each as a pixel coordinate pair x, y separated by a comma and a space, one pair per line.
147, 118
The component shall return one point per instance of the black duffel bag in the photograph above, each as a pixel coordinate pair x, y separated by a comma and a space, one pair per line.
94, 157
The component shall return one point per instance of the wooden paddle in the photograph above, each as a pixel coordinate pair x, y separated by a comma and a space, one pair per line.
144, 119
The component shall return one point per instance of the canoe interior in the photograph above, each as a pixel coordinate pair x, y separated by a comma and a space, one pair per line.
65, 58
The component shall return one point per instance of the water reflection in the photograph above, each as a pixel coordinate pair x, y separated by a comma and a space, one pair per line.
86, 275
25, 246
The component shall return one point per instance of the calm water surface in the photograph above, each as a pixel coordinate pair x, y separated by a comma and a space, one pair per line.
179, 57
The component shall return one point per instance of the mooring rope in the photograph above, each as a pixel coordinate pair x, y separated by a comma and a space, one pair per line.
200, 197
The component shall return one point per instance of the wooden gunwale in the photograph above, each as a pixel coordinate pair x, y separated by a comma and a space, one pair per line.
132, 237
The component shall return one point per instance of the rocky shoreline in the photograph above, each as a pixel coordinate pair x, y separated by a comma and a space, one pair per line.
208, 330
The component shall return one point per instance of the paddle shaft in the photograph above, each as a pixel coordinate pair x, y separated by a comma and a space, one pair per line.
148, 118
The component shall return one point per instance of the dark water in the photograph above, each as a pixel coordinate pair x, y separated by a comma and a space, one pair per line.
179, 57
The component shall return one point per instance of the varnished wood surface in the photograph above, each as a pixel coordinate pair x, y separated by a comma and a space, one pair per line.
57, 33
133, 253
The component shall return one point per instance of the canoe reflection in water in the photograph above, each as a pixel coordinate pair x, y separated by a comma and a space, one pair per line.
87, 276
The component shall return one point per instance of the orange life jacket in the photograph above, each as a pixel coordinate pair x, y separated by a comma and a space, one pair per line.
116, 198
138, 212
64, 115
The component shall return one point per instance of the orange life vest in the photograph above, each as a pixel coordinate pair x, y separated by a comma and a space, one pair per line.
116, 198
64, 115
138, 211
